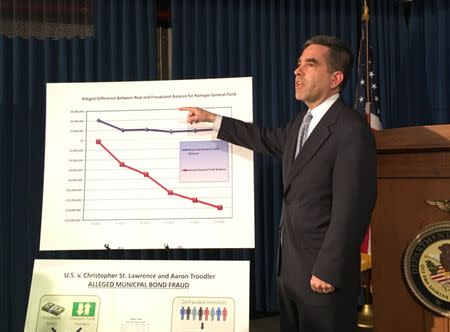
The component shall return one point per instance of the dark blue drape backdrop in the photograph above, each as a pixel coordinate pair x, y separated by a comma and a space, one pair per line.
123, 49
211, 38
413, 58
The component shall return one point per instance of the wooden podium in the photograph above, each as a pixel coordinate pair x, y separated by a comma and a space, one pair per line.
413, 166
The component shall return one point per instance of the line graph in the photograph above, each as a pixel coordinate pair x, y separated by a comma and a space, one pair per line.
189, 173
146, 175
124, 168
169, 131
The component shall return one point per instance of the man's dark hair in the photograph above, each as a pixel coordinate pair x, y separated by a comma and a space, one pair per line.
340, 57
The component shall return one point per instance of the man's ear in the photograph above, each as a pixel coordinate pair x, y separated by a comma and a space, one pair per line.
337, 79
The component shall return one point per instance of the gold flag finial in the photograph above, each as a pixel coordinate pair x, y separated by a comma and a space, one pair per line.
365, 14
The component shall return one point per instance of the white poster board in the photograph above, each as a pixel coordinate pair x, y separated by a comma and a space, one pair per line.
123, 168
138, 296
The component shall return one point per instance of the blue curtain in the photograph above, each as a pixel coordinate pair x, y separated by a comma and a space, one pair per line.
123, 49
412, 49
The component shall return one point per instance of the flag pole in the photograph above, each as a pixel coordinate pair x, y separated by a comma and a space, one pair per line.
365, 18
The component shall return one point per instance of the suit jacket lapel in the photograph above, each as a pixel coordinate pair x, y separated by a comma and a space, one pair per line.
319, 135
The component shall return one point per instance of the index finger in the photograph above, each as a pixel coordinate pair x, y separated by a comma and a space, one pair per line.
187, 108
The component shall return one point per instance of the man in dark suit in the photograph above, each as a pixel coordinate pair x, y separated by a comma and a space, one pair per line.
329, 180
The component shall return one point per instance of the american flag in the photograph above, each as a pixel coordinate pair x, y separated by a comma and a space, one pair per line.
442, 276
367, 101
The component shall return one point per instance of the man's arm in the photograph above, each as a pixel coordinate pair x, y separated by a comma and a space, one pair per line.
265, 140
354, 194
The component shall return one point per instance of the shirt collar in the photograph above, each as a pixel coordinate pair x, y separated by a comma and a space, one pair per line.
319, 111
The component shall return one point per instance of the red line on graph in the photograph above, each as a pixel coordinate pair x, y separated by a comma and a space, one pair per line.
145, 174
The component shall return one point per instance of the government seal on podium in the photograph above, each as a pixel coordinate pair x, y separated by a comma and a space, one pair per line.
426, 267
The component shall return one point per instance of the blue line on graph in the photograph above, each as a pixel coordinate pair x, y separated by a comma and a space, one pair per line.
170, 131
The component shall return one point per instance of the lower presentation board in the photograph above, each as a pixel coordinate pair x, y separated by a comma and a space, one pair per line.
138, 296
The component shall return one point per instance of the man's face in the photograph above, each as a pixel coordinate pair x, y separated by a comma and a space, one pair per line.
313, 82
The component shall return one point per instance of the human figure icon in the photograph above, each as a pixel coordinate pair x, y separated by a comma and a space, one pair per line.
182, 312
224, 314
200, 313
188, 312
218, 313
213, 312
206, 313
194, 313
